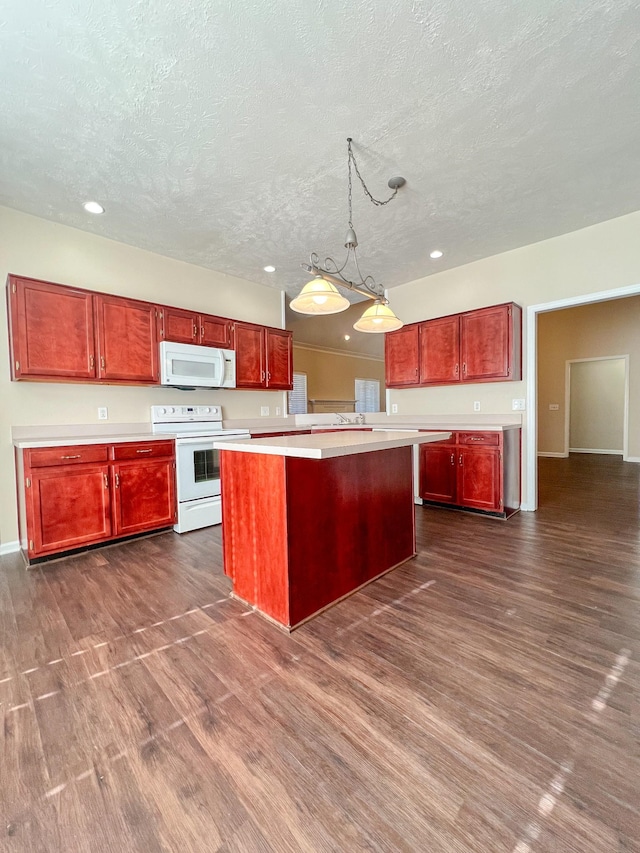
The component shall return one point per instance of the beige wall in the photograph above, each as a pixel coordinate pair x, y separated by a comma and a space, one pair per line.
332, 375
604, 329
601, 258
40, 249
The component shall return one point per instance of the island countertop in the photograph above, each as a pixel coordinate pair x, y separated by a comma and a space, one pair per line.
329, 445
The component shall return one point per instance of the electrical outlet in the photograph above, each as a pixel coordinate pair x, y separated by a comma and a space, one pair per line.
278, 411
517, 405
264, 411
394, 408
554, 407
103, 413
476, 405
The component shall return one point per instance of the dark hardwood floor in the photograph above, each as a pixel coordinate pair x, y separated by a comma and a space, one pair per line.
483, 697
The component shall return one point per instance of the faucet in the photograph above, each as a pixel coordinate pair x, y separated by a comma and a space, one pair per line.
341, 418
359, 418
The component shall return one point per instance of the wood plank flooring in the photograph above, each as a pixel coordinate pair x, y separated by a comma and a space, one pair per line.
483, 697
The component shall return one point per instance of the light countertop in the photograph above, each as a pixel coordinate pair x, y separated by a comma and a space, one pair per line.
328, 445
112, 438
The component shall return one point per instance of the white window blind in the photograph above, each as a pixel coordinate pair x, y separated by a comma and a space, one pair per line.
367, 395
298, 397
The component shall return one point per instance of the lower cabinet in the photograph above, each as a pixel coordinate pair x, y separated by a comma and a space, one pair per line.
473, 470
74, 496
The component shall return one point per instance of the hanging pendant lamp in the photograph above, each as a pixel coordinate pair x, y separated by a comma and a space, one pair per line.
321, 296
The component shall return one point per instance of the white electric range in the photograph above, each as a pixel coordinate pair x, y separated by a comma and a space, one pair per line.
197, 462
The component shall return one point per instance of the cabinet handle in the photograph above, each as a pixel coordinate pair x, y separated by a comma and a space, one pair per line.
416, 371
74, 456
453, 459
149, 450
476, 438
464, 367
460, 459
201, 333
106, 481
195, 330
457, 369
91, 362
269, 375
263, 376
117, 481
102, 362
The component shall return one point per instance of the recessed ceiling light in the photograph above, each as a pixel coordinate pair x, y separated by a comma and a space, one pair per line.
269, 268
347, 337
93, 207
435, 254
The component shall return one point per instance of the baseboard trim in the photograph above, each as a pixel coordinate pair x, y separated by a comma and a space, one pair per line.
631, 459
595, 450
553, 455
9, 547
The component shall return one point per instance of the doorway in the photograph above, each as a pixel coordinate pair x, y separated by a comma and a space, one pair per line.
530, 461
597, 405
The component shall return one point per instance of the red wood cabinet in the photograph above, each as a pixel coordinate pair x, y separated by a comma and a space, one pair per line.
491, 346
440, 351
473, 470
264, 357
478, 346
127, 341
189, 327
51, 331
401, 356
75, 496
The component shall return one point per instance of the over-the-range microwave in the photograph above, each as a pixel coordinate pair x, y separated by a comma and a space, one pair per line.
191, 366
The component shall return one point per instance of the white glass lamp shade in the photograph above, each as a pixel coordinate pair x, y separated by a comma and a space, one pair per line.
378, 318
319, 296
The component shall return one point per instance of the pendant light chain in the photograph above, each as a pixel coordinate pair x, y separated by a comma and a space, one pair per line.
376, 201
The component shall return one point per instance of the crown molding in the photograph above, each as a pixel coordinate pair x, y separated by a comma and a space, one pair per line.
331, 351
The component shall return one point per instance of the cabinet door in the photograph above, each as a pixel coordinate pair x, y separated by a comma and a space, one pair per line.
68, 507
178, 325
215, 331
479, 481
401, 357
51, 330
144, 496
279, 359
127, 342
250, 355
487, 344
438, 472
440, 351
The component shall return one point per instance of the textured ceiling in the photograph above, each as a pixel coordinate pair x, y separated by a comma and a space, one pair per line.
214, 132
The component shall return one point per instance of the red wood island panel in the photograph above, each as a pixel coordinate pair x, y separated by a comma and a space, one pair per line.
299, 534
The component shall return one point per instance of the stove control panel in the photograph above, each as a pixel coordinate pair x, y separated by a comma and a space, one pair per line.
186, 414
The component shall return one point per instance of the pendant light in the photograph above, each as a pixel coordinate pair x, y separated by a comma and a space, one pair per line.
321, 296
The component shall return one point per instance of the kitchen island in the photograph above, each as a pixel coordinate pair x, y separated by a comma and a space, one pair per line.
309, 519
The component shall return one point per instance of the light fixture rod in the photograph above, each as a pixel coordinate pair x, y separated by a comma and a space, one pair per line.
348, 285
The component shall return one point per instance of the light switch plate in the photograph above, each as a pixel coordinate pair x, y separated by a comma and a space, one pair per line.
554, 407
394, 408
264, 411
103, 413
517, 404
476, 405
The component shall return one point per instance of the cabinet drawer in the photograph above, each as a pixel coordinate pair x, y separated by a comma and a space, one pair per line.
74, 454
486, 438
143, 450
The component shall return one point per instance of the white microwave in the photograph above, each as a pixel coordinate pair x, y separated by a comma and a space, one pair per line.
191, 366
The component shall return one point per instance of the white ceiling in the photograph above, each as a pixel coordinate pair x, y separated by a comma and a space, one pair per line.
215, 132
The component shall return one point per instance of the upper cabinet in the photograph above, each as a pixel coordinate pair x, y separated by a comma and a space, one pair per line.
65, 334
401, 356
478, 346
188, 327
126, 340
51, 331
264, 357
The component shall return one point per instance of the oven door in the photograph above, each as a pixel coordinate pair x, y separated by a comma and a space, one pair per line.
197, 469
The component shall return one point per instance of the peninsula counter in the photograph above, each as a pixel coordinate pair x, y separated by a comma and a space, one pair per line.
309, 519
